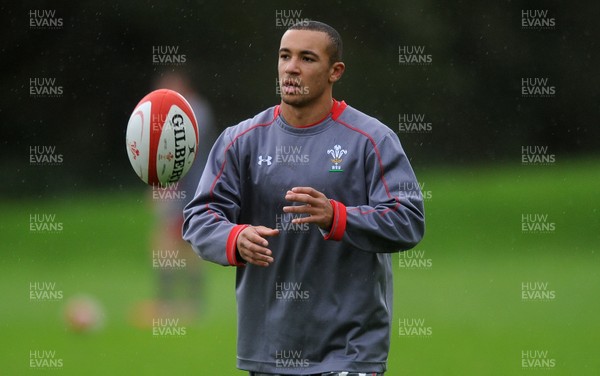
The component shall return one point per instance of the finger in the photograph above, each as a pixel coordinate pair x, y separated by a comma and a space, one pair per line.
251, 248
253, 234
302, 209
301, 197
255, 261
255, 239
311, 219
255, 258
307, 190
266, 231
258, 257
259, 263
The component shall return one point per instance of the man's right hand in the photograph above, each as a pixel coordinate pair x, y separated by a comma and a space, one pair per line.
252, 245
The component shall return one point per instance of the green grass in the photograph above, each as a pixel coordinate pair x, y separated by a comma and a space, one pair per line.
470, 296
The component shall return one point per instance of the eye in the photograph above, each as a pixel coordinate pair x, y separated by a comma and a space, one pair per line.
284, 56
306, 58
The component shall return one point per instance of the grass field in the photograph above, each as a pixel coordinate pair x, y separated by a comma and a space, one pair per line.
466, 295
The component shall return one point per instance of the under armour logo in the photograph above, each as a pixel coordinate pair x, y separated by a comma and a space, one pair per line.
267, 160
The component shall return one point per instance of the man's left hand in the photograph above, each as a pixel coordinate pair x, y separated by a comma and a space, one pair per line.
316, 205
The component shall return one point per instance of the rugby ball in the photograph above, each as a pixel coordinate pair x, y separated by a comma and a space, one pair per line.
162, 137
84, 313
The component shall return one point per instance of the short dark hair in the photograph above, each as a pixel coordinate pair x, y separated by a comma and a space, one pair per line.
335, 46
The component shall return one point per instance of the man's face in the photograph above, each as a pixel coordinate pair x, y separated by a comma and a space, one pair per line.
304, 67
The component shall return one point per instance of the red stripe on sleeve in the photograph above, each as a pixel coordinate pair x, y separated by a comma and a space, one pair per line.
231, 247
338, 226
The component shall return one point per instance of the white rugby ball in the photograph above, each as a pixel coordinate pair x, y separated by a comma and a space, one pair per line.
162, 137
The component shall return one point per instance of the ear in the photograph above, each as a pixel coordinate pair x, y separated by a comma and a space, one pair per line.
336, 71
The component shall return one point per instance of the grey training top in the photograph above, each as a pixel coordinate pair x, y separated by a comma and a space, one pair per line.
325, 303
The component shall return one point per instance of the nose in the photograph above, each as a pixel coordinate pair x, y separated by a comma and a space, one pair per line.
291, 66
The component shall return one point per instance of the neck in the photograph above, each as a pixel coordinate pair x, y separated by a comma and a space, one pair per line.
309, 114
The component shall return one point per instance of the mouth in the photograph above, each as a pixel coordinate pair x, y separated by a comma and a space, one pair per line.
291, 86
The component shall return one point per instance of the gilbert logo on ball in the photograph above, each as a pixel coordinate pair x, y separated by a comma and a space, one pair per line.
162, 137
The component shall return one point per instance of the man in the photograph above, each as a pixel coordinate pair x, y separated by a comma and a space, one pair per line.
306, 199
179, 289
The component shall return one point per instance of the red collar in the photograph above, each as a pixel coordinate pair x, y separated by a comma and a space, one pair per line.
336, 110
